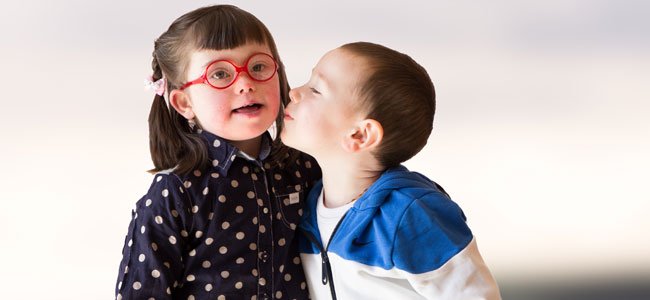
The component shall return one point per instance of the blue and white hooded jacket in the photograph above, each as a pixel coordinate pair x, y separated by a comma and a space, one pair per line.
403, 239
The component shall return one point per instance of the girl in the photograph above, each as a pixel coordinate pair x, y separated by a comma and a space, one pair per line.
219, 219
374, 229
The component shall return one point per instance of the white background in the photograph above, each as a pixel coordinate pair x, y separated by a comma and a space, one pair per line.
541, 133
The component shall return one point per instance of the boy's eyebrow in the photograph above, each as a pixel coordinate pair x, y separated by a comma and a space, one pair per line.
320, 77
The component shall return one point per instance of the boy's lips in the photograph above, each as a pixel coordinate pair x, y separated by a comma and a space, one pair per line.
287, 116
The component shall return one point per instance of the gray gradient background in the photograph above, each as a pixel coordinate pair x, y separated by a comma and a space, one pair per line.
541, 133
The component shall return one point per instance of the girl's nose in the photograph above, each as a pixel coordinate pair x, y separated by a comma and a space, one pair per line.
244, 84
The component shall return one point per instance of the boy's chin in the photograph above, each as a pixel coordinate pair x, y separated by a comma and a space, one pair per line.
287, 140
284, 139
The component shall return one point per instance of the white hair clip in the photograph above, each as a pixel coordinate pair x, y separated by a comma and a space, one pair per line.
157, 87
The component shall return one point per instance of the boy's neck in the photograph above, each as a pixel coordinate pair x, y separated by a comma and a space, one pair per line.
251, 147
345, 181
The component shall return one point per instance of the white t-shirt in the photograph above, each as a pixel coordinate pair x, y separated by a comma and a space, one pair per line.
327, 218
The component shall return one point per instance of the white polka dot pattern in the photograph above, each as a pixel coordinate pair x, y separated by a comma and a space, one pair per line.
200, 235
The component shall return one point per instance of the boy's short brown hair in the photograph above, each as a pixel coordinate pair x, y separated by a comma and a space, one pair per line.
399, 94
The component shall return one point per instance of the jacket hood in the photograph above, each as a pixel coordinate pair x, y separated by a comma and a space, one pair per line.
397, 179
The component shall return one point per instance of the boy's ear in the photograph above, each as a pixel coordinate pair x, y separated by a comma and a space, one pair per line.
181, 103
366, 135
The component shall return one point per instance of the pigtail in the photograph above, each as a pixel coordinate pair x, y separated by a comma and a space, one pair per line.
164, 141
194, 152
172, 142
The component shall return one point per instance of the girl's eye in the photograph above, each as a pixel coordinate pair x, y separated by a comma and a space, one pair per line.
220, 75
258, 67
313, 90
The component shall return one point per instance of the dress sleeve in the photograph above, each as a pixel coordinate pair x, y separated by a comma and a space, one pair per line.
436, 253
152, 264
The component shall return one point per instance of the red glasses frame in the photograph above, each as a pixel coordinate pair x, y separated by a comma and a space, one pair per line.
238, 69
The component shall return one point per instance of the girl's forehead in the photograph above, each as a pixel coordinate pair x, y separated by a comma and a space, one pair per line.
238, 54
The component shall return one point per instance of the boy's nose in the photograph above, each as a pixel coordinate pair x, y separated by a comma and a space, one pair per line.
294, 95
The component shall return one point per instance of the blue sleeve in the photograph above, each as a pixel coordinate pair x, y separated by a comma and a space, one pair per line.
431, 231
156, 242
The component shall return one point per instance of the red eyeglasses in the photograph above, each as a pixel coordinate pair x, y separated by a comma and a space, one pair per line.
221, 74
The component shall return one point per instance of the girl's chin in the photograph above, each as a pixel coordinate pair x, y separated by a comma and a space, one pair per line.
240, 137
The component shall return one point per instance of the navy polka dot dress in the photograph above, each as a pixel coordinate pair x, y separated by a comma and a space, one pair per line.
228, 232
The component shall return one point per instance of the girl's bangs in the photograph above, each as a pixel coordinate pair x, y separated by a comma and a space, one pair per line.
218, 32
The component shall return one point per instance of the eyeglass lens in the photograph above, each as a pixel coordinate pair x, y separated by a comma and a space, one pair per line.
260, 67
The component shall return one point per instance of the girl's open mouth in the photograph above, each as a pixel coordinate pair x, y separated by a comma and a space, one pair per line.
251, 108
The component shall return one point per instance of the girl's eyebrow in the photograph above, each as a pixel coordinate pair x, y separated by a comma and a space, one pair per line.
207, 63
211, 61
227, 58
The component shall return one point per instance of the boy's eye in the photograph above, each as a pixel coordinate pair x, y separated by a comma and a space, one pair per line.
313, 90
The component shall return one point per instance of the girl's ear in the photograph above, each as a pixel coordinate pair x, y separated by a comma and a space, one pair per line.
366, 135
181, 103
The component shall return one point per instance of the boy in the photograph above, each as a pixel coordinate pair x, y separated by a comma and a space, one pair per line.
375, 230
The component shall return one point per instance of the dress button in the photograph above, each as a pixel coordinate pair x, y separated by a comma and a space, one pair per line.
264, 256
265, 296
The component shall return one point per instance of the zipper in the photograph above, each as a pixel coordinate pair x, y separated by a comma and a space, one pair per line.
326, 267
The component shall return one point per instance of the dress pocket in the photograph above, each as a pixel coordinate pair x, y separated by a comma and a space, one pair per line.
290, 201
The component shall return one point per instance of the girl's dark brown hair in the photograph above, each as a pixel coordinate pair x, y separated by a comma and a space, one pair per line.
399, 94
173, 144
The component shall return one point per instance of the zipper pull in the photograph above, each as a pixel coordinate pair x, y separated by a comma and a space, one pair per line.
324, 267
